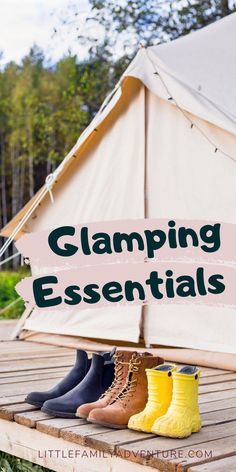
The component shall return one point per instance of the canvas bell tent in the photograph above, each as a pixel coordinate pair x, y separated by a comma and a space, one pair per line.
163, 145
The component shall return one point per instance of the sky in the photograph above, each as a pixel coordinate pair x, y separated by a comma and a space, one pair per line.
25, 22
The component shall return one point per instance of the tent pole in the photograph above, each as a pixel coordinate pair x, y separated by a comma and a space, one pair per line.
144, 307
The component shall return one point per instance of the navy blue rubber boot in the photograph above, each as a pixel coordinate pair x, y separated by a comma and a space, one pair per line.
99, 377
73, 378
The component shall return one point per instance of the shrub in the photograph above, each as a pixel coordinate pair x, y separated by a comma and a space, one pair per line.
8, 294
10, 463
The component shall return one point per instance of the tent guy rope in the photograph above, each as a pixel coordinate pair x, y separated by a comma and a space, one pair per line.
50, 179
3, 310
9, 258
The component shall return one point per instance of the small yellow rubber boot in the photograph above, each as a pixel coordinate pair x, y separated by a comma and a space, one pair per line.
159, 397
183, 417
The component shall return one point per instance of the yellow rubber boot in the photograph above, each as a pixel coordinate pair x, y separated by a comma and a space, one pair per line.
182, 417
159, 397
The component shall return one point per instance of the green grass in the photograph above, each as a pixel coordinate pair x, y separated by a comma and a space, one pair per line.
8, 280
10, 463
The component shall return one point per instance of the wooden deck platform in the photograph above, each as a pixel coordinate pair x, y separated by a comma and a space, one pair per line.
75, 445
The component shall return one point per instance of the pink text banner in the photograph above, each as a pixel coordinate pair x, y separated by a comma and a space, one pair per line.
134, 240
132, 283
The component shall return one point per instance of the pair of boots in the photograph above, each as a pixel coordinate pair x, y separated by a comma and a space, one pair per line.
86, 381
127, 395
172, 407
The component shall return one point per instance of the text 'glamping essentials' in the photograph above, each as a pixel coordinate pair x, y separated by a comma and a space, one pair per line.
155, 281
149, 242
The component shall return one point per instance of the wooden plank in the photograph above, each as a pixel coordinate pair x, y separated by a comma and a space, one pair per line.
221, 416
79, 434
55, 425
9, 375
12, 399
108, 442
37, 359
221, 465
209, 418
19, 355
32, 445
215, 387
209, 372
216, 360
7, 412
34, 377
37, 355
21, 343
212, 396
22, 352
12, 346
71, 342
218, 405
26, 387
154, 452
15, 366
30, 418
211, 450
6, 327
218, 378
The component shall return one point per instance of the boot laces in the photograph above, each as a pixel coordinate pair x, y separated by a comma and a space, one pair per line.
130, 385
117, 382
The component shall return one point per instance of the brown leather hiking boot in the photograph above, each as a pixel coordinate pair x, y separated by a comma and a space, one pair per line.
122, 359
132, 398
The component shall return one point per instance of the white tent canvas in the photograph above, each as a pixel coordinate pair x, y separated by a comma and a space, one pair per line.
150, 153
